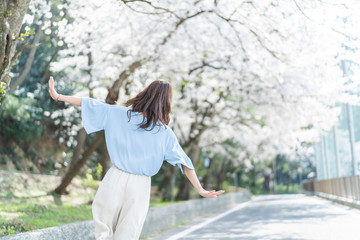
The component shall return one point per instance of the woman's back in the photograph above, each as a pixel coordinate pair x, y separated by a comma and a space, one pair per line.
132, 149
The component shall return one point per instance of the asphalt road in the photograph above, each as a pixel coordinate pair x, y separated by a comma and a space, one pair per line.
277, 217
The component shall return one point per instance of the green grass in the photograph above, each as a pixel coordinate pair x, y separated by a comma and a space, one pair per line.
24, 208
159, 204
256, 191
293, 188
280, 189
16, 218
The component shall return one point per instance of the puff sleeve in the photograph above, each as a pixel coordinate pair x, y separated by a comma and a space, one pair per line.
94, 114
175, 155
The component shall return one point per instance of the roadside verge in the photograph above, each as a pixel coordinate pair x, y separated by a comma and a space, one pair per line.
158, 218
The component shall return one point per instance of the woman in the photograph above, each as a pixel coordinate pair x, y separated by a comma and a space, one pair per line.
138, 140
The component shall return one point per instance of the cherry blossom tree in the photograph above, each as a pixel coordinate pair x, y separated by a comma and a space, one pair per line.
258, 72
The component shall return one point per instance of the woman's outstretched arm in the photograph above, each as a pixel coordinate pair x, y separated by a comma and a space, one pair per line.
59, 97
191, 175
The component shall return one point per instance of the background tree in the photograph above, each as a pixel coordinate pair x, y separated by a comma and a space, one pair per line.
12, 14
252, 81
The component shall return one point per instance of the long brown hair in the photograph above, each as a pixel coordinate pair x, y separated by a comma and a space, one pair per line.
154, 102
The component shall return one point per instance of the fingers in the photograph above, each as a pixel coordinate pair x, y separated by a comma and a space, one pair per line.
213, 193
51, 83
51, 94
217, 192
52, 90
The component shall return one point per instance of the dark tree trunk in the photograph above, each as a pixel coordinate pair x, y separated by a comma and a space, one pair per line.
81, 138
252, 179
46, 74
185, 185
184, 189
288, 182
207, 177
105, 159
220, 176
168, 182
266, 182
75, 167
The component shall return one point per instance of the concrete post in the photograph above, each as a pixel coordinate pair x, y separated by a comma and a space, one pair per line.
352, 138
352, 146
323, 158
316, 155
338, 169
274, 176
327, 158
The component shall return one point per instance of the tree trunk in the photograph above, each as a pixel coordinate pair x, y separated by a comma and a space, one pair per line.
288, 183
288, 178
114, 91
168, 182
207, 177
80, 138
184, 189
46, 74
75, 168
12, 15
252, 178
266, 182
28, 63
220, 176
185, 185
105, 158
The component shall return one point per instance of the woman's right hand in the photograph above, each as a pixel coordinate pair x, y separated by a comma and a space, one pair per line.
212, 194
52, 90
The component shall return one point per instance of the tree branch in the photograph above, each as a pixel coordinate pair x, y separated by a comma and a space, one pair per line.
203, 65
322, 24
45, 74
113, 93
165, 10
23, 48
178, 24
229, 20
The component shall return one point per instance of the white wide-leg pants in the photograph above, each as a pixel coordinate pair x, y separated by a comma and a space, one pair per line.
120, 205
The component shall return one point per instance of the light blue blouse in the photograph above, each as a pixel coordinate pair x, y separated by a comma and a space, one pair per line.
130, 148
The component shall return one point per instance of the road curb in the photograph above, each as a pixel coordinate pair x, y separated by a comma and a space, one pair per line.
337, 199
158, 218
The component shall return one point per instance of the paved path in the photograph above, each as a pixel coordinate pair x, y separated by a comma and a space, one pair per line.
276, 217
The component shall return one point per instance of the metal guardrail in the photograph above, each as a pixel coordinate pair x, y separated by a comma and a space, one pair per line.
346, 187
